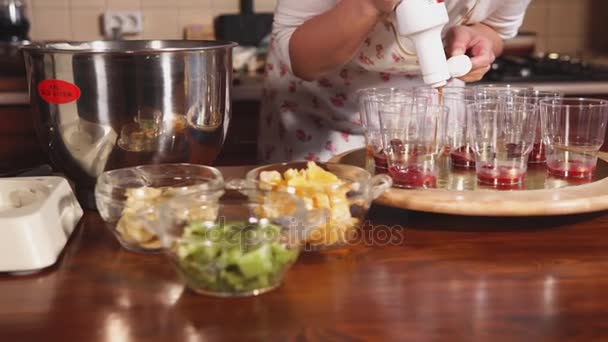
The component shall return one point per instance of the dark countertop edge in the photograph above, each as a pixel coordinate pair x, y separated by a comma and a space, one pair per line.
14, 98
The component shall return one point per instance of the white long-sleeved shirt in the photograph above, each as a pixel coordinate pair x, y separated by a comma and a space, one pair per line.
316, 120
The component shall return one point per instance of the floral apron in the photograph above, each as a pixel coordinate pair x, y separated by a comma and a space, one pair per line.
316, 120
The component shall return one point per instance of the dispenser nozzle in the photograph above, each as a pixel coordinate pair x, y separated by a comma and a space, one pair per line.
423, 21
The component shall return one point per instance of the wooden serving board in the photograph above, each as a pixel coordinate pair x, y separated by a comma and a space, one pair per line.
590, 197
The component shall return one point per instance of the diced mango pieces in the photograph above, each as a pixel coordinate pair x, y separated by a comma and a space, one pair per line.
317, 173
318, 188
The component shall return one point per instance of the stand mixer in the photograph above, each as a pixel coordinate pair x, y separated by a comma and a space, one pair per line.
423, 22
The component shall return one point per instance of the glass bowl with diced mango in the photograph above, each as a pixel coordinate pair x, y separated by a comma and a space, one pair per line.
344, 191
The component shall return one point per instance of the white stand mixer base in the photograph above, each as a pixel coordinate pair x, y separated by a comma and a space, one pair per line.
37, 217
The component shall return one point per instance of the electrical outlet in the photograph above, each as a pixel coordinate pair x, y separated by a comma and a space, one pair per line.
119, 23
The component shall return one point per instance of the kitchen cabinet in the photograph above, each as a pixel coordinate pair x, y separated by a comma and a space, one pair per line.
19, 147
240, 147
241, 141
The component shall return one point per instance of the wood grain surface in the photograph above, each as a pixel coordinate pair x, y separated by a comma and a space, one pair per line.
547, 201
415, 276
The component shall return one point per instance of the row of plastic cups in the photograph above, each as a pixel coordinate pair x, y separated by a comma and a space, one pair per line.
375, 103
504, 135
408, 129
456, 99
225, 239
496, 130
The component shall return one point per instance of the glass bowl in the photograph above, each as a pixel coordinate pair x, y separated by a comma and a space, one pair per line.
121, 193
235, 246
345, 194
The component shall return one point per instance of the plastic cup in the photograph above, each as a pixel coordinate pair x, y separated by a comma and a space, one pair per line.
413, 139
456, 99
533, 97
373, 102
574, 130
502, 137
489, 92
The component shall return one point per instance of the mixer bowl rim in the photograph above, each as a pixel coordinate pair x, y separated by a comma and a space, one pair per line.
127, 47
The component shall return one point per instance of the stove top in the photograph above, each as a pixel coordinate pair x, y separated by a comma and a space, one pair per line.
544, 68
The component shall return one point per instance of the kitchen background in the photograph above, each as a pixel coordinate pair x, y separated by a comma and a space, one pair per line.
569, 37
563, 26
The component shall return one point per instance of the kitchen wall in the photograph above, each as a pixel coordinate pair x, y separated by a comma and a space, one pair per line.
163, 19
562, 25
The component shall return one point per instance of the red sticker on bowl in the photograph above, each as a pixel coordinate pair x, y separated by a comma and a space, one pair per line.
58, 91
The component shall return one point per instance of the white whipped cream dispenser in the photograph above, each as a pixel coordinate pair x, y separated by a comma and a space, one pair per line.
423, 21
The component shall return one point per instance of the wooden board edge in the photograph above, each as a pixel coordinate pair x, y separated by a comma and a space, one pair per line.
534, 208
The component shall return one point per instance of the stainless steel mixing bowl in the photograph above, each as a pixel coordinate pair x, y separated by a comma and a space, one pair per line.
105, 105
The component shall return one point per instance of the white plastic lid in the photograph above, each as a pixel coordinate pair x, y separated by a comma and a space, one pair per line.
459, 65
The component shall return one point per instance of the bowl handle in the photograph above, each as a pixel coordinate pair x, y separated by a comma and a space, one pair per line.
243, 186
379, 184
237, 184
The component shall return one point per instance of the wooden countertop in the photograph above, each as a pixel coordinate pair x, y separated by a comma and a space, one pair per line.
441, 278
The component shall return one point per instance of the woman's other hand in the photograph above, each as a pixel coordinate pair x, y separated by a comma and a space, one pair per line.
478, 41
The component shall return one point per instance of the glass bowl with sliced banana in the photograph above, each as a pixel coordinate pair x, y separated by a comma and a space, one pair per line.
121, 194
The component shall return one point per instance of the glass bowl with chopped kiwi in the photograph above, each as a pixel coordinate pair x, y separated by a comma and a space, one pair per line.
121, 193
244, 250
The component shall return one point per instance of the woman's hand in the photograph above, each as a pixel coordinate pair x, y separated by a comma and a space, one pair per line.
480, 42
